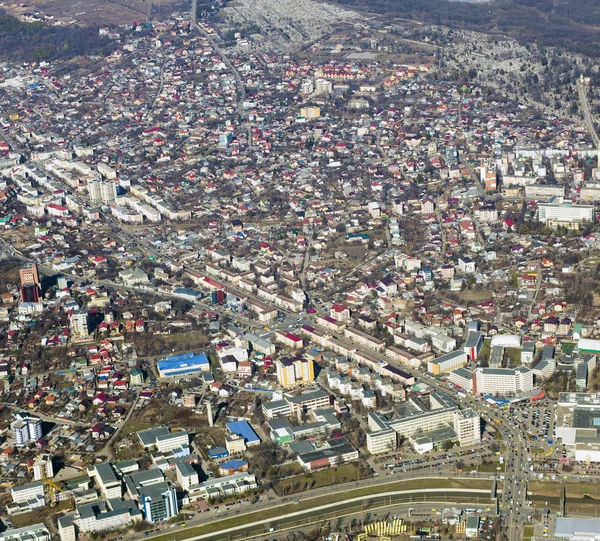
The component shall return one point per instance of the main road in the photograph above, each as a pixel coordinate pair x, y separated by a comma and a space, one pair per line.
240, 84
283, 519
587, 116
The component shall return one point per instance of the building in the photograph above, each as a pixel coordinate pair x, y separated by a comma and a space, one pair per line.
29, 275
43, 468
157, 499
35, 532
428, 429
136, 376
467, 425
235, 444
24, 493
308, 400
503, 381
558, 212
332, 453
232, 467
527, 352
447, 362
577, 529
163, 439
472, 526
66, 528
382, 441
259, 344
292, 372
473, 344
275, 409
106, 479
102, 191
463, 378
100, 516
587, 345
79, 325
230, 485
187, 476
26, 429
244, 430
183, 365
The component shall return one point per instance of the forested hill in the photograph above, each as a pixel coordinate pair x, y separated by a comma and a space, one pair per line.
571, 24
27, 42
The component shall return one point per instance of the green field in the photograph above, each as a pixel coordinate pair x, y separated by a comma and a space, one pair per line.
323, 478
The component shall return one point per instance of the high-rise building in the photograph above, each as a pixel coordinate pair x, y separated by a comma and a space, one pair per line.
43, 468
79, 324
26, 429
20, 432
295, 371
104, 191
159, 502
30, 293
29, 275
30, 283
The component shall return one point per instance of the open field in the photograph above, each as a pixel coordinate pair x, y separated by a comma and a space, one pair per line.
93, 12
341, 474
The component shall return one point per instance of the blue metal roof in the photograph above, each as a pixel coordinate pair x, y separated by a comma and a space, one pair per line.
243, 428
182, 361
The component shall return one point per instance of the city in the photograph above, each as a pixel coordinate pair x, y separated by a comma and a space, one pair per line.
280, 270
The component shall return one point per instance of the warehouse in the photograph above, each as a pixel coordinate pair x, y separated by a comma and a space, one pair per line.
184, 364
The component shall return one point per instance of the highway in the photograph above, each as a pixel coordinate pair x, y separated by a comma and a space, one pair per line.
354, 505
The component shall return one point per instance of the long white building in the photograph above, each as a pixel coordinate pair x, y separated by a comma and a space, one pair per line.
503, 381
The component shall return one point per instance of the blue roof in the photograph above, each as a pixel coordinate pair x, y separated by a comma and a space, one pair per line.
243, 428
186, 291
182, 361
218, 452
234, 464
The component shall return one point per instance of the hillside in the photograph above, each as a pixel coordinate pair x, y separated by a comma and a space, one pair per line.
570, 24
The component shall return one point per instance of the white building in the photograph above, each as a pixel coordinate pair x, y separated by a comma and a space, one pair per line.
467, 426
229, 485
27, 492
559, 212
42, 468
503, 381
35, 532
382, 441
447, 362
79, 324
187, 476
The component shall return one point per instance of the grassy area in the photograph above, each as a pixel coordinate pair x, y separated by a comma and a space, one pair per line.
341, 474
513, 356
527, 533
308, 504
133, 427
484, 353
567, 347
42, 514
491, 467
573, 490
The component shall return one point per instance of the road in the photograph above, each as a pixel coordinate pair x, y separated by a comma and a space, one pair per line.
352, 505
107, 449
42, 416
240, 84
538, 285
587, 116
